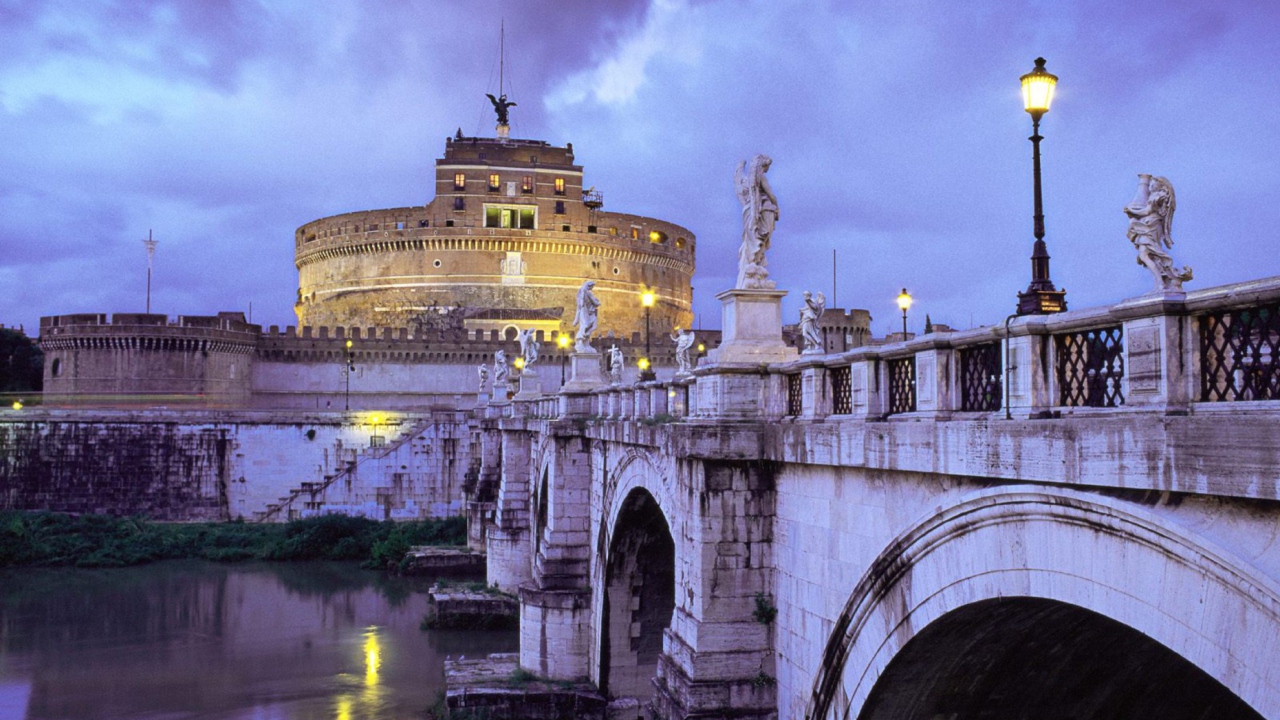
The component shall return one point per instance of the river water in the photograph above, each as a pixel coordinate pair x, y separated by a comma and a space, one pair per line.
201, 640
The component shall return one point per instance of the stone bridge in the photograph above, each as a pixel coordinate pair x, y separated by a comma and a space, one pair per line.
1064, 516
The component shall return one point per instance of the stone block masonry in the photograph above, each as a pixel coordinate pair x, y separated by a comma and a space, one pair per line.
202, 465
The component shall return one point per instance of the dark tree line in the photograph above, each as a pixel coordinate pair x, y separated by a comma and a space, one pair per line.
21, 363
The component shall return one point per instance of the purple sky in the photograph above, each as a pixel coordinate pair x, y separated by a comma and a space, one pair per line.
896, 130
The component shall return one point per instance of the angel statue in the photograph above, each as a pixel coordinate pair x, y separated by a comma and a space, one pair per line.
484, 376
529, 347
500, 370
1150, 222
810, 311
759, 215
586, 317
616, 361
684, 344
501, 106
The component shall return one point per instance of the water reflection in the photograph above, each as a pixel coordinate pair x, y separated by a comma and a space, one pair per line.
183, 640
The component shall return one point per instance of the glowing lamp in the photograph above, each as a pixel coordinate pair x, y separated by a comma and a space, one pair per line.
348, 344
1037, 89
17, 404
519, 363
904, 300
643, 363
702, 347
562, 340
647, 298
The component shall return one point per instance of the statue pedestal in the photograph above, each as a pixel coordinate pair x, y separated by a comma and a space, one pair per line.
752, 329
584, 375
530, 387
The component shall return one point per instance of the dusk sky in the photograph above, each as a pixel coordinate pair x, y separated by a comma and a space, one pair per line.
896, 129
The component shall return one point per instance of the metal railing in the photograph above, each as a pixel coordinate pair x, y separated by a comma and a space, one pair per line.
795, 394
902, 385
1240, 354
1091, 367
980, 378
842, 390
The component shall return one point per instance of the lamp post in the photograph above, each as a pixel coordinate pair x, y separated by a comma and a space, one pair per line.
563, 341
1041, 297
351, 366
904, 302
647, 299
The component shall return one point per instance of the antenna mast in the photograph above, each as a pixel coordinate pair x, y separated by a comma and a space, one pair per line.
151, 253
502, 57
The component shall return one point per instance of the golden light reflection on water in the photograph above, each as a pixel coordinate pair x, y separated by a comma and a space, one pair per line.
368, 702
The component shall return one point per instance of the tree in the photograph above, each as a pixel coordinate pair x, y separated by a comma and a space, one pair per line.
21, 363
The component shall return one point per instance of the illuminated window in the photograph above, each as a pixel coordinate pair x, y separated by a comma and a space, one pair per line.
509, 217
526, 184
680, 243
494, 182
559, 186
657, 237
559, 207
459, 181
635, 233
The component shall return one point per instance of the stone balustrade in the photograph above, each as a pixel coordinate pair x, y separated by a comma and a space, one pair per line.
1171, 354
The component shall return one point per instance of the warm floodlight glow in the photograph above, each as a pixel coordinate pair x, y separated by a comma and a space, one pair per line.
372, 657
348, 344
643, 363
17, 404
702, 347
519, 363
671, 393
904, 300
562, 340
1037, 89
647, 298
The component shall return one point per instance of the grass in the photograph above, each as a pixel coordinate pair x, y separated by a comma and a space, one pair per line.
42, 539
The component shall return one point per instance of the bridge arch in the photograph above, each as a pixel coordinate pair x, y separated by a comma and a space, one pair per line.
1008, 564
637, 597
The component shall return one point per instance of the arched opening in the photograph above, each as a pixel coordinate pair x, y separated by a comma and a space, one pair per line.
1029, 658
639, 597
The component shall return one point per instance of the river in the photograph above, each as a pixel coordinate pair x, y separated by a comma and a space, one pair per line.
178, 640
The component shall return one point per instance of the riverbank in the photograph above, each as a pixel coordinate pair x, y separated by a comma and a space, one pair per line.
39, 539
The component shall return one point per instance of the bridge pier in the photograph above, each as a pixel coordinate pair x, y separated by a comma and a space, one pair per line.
508, 541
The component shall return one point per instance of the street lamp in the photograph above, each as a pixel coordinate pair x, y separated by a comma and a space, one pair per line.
17, 404
647, 298
904, 302
563, 341
1041, 297
351, 366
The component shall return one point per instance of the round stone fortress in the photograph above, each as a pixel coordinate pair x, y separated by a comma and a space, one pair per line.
506, 243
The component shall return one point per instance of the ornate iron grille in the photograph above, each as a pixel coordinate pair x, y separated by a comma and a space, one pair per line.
842, 390
795, 394
1240, 354
902, 385
1090, 367
980, 377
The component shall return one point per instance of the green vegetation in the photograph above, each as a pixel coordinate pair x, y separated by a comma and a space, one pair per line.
55, 539
21, 363
765, 612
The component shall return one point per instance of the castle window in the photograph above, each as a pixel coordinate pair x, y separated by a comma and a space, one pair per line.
526, 184
657, 237
400, 225
680, 243
372, 226
559, 207
635, 233
613, 231
424, 223
494, 182
559, 186
459, 203
448, 223
565, 228
55, 368
459, 181
522, 217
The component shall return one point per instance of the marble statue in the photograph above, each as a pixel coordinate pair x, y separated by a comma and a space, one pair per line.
501, 106
1150, 222
810, 311
484, 376
616, 361
684, 340
759, 215
529, 347
586, 317
500, 370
